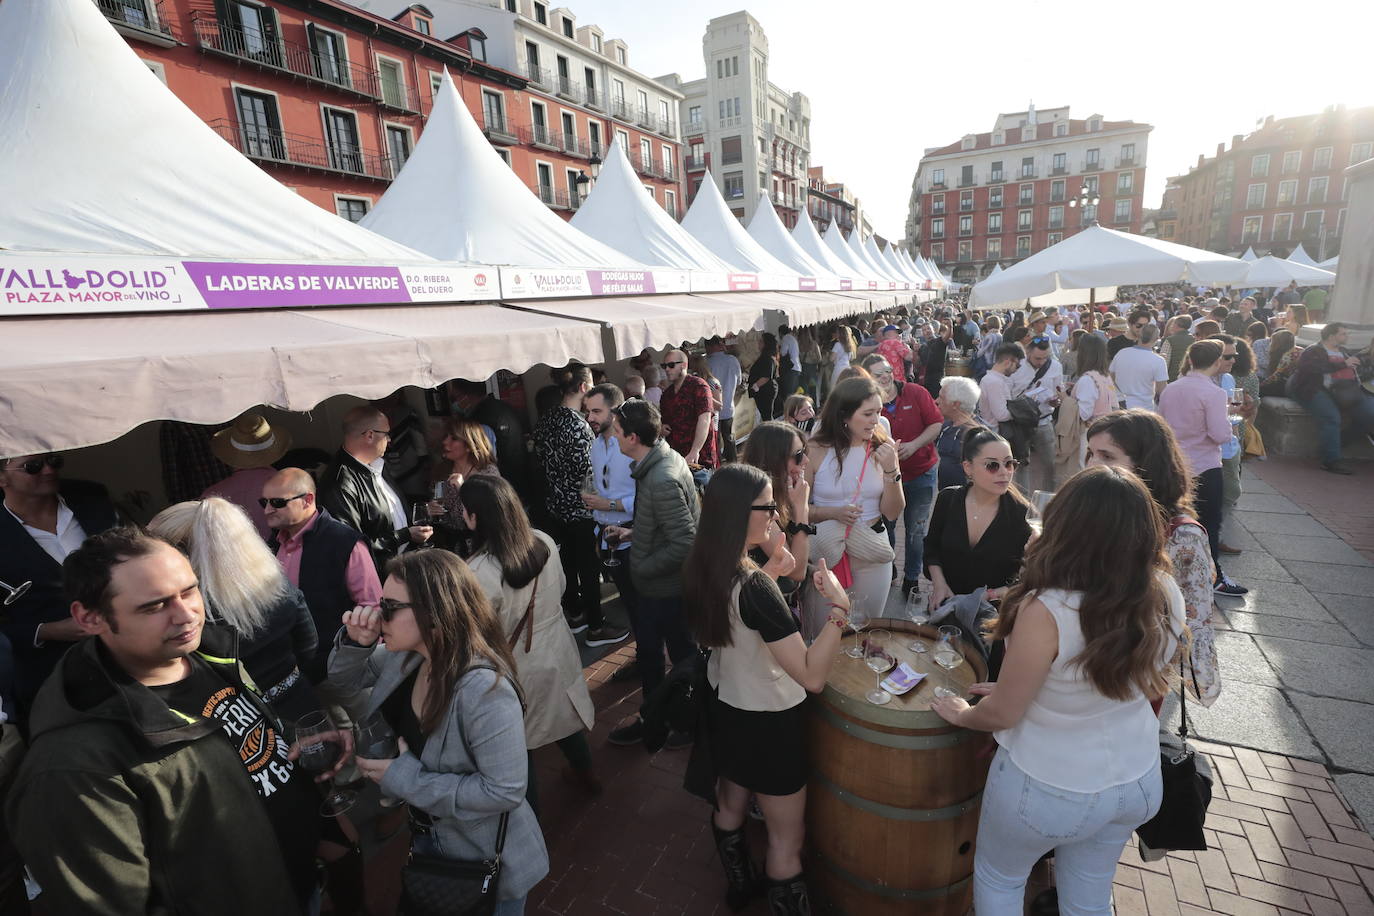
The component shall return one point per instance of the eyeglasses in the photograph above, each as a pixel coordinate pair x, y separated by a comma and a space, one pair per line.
381, 432
389, 608
675, 363
799, 456
992, 465
1228, 356
771, 508
277, 502
35, 465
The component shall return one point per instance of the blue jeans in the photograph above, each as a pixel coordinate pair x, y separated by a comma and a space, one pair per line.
1328, 416
659, 622
1023, 818
920, 495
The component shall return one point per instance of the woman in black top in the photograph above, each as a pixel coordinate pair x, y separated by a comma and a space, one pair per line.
763, 377
978, 532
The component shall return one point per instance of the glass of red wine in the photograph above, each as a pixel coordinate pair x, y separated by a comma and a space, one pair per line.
321, 744
608, 557
376, 740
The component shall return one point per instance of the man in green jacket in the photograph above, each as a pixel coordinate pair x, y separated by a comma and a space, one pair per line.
158, 781
665, 523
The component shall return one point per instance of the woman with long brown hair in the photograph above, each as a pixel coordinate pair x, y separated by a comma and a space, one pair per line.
1077, 768
777, 449
467, 452
444, 681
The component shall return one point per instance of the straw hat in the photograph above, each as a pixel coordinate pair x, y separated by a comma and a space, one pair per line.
1038, 315
1118, 324
250, 442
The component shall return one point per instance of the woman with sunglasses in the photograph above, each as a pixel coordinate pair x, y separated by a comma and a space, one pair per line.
800, 411
856, 486
777, 449
978, 532
761, 671
442, 677
511, 561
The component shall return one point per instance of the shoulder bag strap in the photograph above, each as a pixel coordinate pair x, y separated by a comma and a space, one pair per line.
527, 621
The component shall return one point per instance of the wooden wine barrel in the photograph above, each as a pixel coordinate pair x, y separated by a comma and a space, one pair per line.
893, 800
957, 365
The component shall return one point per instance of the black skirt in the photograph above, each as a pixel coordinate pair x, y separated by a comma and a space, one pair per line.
765, 752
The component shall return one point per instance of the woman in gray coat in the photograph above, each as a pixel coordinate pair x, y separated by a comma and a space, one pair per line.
444, 680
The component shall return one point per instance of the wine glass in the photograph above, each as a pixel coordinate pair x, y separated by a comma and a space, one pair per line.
376, 740
948, 656
437, 507
1035, 515
320, 747
858, 619
608, 555
13, 592
879, 661
419, 514
918, 613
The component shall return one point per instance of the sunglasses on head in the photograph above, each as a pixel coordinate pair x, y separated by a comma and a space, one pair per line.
767, 507
35, 465
277, 502
673, 364
389, 608
992, 464
1040, 341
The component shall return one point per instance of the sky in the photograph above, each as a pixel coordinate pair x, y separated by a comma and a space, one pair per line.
886, 80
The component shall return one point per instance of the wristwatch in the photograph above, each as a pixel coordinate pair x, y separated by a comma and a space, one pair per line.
795, 527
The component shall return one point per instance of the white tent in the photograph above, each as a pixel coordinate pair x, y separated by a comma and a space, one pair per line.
456, 199
895, 266
918, 268
767, 229
1330, 263
876, 256
1099, 257
805, 236
100, 157
1272, 271
1299, 255
930, 270
833, 237
619, 213
996, 269
710, 221
856, 245
1249, 254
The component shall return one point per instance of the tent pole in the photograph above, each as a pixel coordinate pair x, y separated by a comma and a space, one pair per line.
1092, 296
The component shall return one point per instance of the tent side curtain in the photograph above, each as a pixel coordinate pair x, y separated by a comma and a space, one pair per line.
107, 378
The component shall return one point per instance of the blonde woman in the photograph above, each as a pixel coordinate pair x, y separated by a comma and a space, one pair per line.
243, 586
842, 352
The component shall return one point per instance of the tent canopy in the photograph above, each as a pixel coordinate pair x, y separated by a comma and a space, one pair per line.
710, 221
1249, 254
833, 237
1099, 257
766, 229
805, 236
1299, 255
456, 199
1272, 271
99, 156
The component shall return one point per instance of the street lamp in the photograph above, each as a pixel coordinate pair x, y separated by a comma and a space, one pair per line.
1087, 197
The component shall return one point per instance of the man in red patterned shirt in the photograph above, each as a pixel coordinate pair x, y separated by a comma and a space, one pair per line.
686, 406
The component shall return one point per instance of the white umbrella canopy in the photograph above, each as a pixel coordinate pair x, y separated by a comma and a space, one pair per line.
1099, 257
1249, 255
1299, 255
1272, 271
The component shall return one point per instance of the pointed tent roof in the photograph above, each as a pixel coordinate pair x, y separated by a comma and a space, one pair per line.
895, 266
834, 239
1299, 255
806, 237
1330, 263
456, 199
100, 157
876, 256
710, 221
621, 215
856, 246
1272, 271
996, 269
1249, 254
766, 229
916, 268
927, 269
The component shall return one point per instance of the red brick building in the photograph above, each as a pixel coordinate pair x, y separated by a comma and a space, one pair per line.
1276, 187
1003, 195
330, 98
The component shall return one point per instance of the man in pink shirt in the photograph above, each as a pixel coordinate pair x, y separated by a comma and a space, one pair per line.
1195, 407
250, 445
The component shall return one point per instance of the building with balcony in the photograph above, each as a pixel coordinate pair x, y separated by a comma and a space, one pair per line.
1003, 195
330, 98
754, 135
1276, 187
828, 201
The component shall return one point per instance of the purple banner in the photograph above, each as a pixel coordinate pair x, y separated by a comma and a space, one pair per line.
227, 285
620, 282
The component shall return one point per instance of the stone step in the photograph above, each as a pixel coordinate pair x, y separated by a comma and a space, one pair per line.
1288, 429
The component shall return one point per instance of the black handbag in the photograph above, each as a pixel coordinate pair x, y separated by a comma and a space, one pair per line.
435, 886
1187, 790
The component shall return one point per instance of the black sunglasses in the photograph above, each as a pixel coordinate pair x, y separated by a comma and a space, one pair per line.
389, 608
277, 502
769, 507
35, 465
799, 456
676, 362
992, 465
1228, 356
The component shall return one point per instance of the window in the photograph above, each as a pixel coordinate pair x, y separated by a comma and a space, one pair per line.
1094, 124
393, 82
541, 14
1125, 182
261, 124
510, 6
1061, 129
1288, 192
594, 137
696, 152
1128, 154
328, 54
620, 55
341, 136
646, 154
670, 203
544, 174
1292, 161
966, 251
966, 225
937, 178
1027, 194
965, 176
995, 199
937, 227
996, 173
422, 26
596, 43
397, 146
694, 115
569, 130
937, 203
720, 69
994, 223
994, 249
1316, 190
731, 150
539, 122
1054, 238
567, 27
1092, 159
1259, 166
1312, 222
532, 61
965, 200
1283, 227
1123, 211
1060, 164
937, 253
1250, 229
1057, 190
249, 30
1023, 246
1028, 167
352, 209
734, 186
1023, 220
967, 143
477, 47
1088, 214
1359, 152
624, 138
1321, 159
1056, 217
666, 156
1090, 183
997, 139
493, 111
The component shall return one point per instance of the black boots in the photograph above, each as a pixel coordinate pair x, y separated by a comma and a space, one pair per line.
789, 897
740, 875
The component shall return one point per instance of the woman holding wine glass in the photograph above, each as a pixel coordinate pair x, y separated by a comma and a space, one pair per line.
1077, 768
777, 449
511, 561
443, 677
761, 670
467, 452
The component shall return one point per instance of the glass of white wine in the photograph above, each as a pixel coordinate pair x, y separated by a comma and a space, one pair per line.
858, 619
1035, 515
949, 657
918, 612
880, 662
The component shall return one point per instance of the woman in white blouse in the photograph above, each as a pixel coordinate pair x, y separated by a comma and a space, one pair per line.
1077, 768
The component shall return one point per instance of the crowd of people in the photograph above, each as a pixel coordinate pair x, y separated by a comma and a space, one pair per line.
399, 616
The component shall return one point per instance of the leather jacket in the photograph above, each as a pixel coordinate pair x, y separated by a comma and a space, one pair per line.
350, 493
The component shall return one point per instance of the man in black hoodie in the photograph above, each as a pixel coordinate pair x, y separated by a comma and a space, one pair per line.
158, 781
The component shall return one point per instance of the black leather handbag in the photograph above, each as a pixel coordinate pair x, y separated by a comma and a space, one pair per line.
435, 886
1187, 790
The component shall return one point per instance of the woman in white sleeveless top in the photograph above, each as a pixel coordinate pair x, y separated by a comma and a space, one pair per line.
1077, 768
760, 670
852, 463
